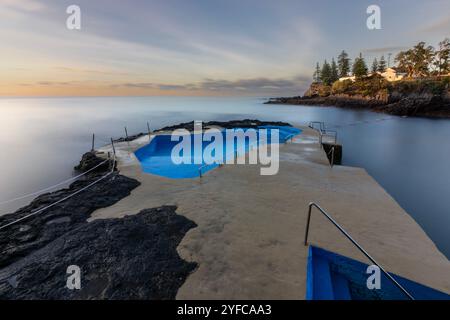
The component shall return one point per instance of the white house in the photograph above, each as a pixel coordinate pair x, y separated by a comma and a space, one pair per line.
353, 78
392, 75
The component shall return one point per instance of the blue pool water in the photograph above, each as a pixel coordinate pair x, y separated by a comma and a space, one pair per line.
156, 157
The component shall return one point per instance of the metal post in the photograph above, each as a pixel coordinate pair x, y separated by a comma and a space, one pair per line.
126, 134
307, 225
200, 172
332, 157
114, 149
93, 142
149, 131
109, 162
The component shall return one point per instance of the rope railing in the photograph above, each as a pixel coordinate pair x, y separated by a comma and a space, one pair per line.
38, 192
61, 200
52, 186
35, 193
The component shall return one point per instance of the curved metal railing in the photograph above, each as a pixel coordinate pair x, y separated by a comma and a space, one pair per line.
345, 233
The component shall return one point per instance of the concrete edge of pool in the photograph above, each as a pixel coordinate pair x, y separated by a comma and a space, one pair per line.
249, 239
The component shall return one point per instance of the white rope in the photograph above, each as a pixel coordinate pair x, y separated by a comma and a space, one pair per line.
53, 186
61, 200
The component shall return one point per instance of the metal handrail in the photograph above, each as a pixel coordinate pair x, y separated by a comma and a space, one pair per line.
332, 156
323, 131
322, 125
200, 169
291, 136
311, 205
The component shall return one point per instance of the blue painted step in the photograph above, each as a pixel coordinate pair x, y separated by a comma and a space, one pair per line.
322, 279
340, 287
331, 276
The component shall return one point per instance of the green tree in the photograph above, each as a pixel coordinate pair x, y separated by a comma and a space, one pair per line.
325, 74
334, 71
374, 66
359, 67
343, 64
423, 57
317, 74
382, 65
442, 57
405, 62
416, 61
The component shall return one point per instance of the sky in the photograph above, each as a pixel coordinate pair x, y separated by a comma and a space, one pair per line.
197, 47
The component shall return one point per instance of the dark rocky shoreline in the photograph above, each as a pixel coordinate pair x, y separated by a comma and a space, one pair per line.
412, 106
130, 258
232, 124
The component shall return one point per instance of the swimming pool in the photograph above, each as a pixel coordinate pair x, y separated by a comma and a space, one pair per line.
156, 157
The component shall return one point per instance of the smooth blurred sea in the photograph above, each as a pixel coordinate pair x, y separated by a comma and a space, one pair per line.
42, 139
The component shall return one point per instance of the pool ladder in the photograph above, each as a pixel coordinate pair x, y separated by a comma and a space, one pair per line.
355, 243
323, 131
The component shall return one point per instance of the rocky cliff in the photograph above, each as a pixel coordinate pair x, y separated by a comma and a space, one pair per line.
430, 98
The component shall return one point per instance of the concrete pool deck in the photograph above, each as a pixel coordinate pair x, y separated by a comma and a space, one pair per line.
249, 239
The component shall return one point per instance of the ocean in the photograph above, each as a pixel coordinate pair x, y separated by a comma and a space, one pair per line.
43, 138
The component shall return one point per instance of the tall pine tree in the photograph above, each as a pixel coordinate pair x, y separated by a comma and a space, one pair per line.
317, 74
325, 74
334, 71
382, 65
343, 64
359, 67
374, 65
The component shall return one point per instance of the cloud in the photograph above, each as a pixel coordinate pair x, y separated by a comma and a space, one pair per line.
253, 85
90, 71
384, 50
140, 85
54, 83
442, 25
22, 5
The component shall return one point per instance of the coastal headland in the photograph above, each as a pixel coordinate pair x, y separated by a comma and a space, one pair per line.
412, 98
418, 86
